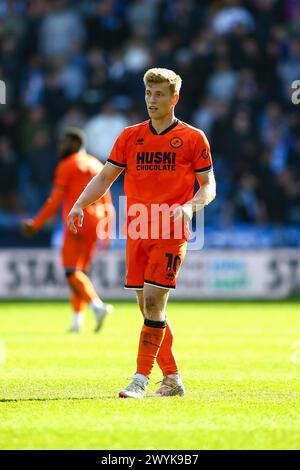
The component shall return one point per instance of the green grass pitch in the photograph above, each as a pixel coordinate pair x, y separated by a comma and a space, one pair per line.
59, 391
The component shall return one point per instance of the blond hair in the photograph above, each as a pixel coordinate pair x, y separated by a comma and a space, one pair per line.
160, 75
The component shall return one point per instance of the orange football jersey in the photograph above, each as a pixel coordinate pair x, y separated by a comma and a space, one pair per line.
161, 168
72, 174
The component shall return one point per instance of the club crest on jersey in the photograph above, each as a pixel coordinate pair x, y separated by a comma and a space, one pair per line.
176, 142
205, 154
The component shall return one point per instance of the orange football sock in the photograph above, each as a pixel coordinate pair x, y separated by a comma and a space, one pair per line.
78, 304
151, 337
82, 286
165, 357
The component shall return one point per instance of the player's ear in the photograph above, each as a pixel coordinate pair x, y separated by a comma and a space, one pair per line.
176, 99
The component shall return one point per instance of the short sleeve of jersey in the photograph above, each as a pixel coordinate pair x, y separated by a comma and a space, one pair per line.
61, 176
202, 161
117, 155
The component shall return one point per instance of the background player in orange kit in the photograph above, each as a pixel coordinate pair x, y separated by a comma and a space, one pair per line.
75, 169
162, 159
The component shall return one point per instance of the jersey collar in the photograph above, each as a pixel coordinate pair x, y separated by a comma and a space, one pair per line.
153, 130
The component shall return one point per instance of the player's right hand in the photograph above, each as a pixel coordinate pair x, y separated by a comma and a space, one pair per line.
75, 214
27, 228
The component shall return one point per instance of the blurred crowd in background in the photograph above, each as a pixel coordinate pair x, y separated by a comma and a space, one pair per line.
81, 63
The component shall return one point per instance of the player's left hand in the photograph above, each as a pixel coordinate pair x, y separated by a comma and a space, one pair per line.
28, 229
184, 213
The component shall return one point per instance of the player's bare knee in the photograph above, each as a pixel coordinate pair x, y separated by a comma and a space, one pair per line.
140, 300
157, 315
153, 309
150, 303
142, 308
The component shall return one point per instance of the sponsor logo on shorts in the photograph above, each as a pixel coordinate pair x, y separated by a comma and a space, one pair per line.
170, 277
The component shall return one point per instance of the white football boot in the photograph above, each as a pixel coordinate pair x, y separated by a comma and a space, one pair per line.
171, 386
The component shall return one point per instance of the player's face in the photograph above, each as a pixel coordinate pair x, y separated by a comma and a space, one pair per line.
159, 100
